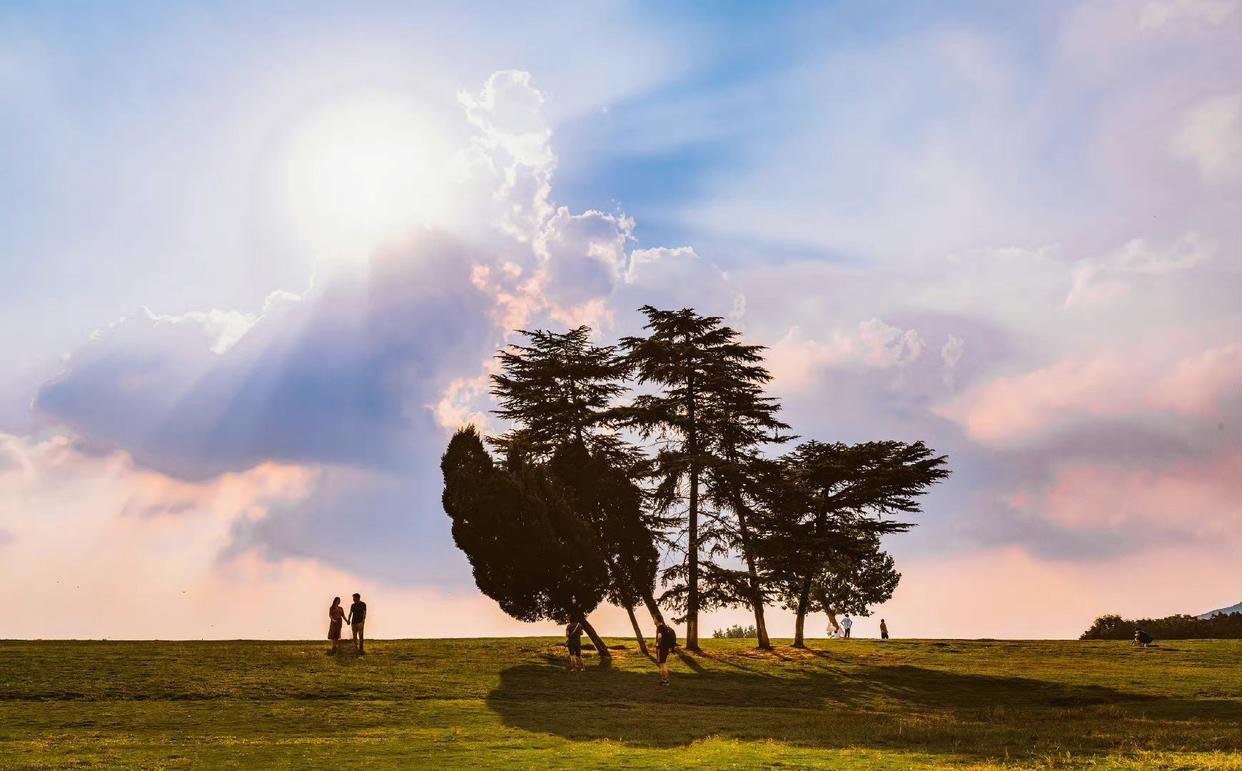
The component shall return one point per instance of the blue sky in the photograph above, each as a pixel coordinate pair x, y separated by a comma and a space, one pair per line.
254, 261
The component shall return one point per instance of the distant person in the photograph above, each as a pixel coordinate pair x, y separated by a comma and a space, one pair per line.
846, 623
883, 630
336, 614
573, 641
666, 641
835, 634
1142, 638
357, 619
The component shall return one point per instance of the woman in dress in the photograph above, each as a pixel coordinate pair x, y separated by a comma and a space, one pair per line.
336, 614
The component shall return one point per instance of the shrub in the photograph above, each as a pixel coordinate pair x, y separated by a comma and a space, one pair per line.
1114, 627
736, 632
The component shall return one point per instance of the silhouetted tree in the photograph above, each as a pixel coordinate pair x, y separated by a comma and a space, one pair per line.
709, 419
529, 550
611, 503
825, 514
558, 390
1223, 626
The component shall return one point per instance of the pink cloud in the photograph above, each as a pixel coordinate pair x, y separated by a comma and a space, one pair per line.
1112, 384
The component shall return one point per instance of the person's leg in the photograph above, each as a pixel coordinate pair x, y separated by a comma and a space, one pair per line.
362, 647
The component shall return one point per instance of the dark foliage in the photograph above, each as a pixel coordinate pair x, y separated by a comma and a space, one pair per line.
827, 505
736, 632
528, 548
1226, 626
557, 390
709, 420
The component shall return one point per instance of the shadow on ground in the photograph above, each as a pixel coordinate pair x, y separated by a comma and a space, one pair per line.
888, 706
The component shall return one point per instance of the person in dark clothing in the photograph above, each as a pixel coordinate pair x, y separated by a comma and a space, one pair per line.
883, 630
666, 641
573, 641
1142, 638
357, 618
336, 614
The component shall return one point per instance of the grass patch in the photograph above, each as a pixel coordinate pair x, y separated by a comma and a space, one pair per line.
510, 702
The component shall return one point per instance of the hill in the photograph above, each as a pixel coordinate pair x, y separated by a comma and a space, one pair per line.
1222, 611
458, 703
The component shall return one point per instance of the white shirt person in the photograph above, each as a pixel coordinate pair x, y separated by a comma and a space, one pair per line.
846, 623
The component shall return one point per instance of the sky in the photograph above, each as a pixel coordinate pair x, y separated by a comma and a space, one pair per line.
255, 260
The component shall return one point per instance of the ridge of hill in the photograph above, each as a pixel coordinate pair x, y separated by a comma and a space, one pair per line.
1222, 611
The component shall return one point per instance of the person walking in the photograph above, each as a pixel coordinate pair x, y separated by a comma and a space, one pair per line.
573, 641
846, 623
666, 641
357, 619
336, 614
883, 630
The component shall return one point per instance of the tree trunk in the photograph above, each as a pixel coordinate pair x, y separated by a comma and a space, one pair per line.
638, 633
653, 608
823, 603
804, 599
692, 596
596, 640
756, 594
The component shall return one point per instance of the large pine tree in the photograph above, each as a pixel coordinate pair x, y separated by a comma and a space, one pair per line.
710, 418
824, 516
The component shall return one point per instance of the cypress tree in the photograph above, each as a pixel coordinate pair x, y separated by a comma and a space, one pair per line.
527, 548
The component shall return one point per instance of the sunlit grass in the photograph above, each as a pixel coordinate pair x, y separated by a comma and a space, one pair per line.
460, 703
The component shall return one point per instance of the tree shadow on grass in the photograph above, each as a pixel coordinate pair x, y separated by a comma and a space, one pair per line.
893, 707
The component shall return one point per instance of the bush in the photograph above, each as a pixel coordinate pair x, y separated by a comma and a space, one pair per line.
1113, 627
736, 632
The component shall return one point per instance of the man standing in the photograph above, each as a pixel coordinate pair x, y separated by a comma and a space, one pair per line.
357, 618
666, 641
883, 630
846, 623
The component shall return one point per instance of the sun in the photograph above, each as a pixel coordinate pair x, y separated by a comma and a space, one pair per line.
361, 171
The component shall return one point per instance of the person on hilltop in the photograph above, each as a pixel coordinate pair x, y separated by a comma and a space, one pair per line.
336, 614
357, 618
666, 641
846, 623
573, 641
883, 630
1142, 638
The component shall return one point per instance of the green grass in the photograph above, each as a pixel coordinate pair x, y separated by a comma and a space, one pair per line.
458, 703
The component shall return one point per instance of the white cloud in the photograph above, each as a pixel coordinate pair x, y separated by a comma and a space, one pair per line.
796, 361
1210, 137
1158, 13
1103, 279
950, 354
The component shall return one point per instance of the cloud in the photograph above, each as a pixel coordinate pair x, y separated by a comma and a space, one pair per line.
1098, 281
1158, 13
1210, 137
950, 354
796, 361
347, 375
1140, 384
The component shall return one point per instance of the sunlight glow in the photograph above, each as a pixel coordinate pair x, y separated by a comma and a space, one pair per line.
362, 171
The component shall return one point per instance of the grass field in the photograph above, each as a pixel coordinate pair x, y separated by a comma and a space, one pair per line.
457, 703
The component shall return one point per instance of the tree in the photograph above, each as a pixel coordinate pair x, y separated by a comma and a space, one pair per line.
709, 419
528, 549
826, 509
559, 390
606, 498
860, 578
